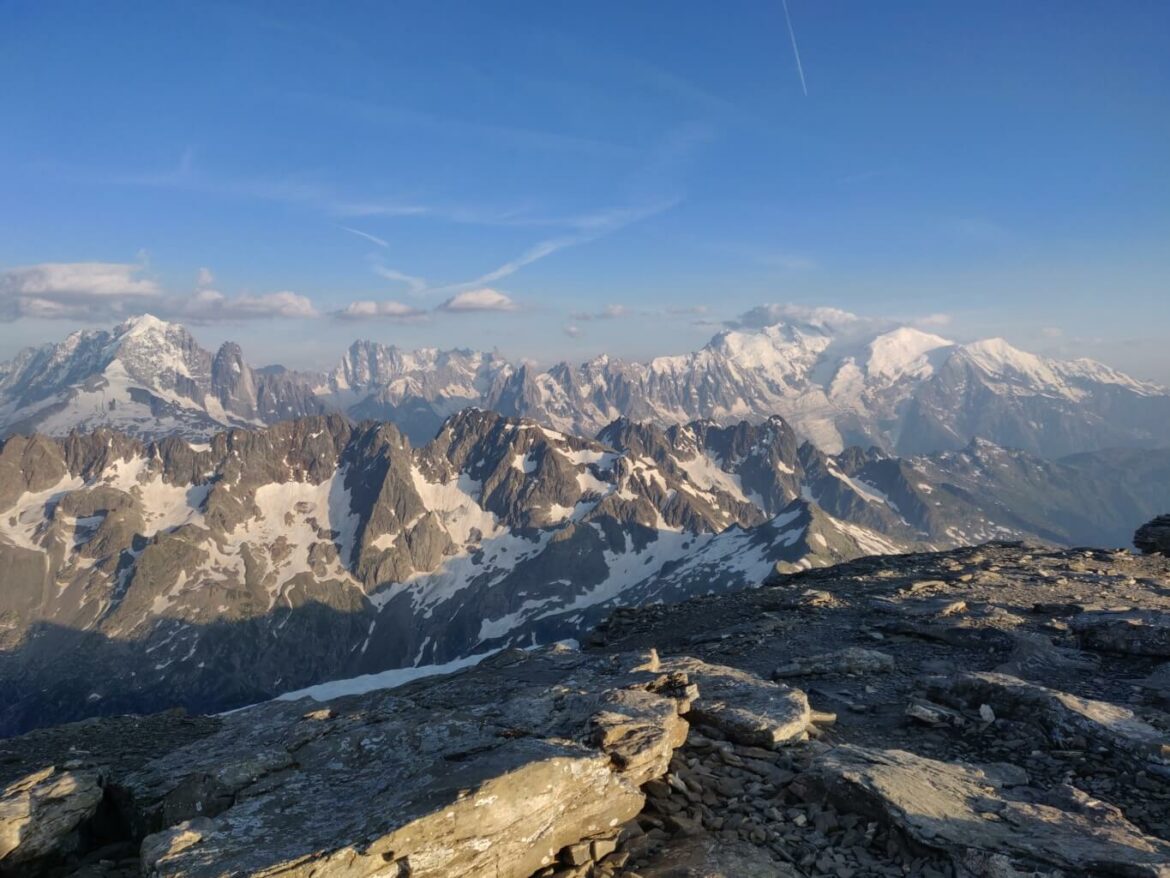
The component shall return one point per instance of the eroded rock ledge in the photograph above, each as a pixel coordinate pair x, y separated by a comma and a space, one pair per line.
501, 770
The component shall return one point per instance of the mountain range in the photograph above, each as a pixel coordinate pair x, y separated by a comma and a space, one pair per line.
214, 573
838, 380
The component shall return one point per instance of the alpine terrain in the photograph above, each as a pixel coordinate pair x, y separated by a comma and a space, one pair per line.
140, 575
837, 379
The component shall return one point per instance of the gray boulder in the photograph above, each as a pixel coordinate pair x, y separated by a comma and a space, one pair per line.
744, 707
1153, 537
40, 813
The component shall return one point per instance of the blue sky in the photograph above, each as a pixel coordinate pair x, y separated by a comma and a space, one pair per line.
556, 180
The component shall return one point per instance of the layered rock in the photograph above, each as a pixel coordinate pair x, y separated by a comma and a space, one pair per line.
527, 760
40, 813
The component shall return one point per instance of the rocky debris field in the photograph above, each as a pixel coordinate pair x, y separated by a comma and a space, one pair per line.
995, 711
999, 710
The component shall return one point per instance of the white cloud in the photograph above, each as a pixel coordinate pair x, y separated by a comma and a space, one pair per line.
74, 290
208, 306
388, 309
573, 331
104, 291
820, 316
485, 299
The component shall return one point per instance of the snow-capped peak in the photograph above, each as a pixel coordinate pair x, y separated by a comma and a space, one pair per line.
143, 324
903, 351
997, 358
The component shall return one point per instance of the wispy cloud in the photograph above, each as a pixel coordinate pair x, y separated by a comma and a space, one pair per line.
609, 312
592, 227
620, 312
414, 284
485, 299
795, 48
419, 121
573, 331
371, 238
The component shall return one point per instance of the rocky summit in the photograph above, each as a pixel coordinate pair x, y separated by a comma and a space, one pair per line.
139, 576
992, 711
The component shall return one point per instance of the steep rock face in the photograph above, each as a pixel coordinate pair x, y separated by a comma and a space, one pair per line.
417, 390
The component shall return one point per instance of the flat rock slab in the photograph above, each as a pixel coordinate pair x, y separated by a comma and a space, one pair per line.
853, 660
1124, 632
491, 771
984, 814
40, 813
744, 707
921, 608
1064, 718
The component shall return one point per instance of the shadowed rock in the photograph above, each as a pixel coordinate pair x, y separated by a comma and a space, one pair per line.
713, 857
1124, 632
1153, 537
1064, 718
985, 817
854, 660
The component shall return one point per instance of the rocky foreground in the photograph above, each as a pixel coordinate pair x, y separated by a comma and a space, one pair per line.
993, 711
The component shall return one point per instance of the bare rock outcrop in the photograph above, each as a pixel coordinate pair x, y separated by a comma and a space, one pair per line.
1066, 720
986, 817
494, 771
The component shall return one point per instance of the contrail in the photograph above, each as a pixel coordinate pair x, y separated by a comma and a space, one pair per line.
795, 50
